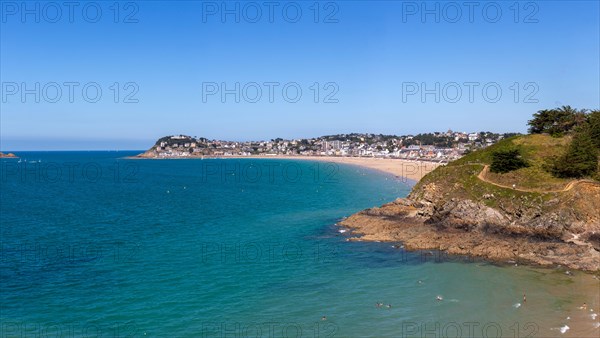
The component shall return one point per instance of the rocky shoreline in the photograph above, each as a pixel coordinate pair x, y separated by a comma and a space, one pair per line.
552, 233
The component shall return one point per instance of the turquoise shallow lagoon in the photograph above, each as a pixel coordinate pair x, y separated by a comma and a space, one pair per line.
94, 244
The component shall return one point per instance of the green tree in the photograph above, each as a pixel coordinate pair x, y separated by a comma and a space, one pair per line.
594, 123
507, 160
556, 122
581, 157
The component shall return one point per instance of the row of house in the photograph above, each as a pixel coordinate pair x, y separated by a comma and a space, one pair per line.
444, 147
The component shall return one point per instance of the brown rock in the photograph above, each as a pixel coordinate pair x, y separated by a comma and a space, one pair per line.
566, 236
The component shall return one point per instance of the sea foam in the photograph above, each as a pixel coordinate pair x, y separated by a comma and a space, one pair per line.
564, 329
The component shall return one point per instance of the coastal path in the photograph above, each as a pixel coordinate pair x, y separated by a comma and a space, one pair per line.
568, 187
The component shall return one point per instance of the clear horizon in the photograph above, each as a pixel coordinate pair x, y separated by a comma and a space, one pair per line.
142, 70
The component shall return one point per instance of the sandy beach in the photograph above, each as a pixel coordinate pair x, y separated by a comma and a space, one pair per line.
413, 170
410, 169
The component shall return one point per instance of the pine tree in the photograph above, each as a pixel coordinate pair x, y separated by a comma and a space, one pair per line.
558, 121
504, 161
594, 122
581, 158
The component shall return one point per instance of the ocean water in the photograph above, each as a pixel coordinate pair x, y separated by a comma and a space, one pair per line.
94, 244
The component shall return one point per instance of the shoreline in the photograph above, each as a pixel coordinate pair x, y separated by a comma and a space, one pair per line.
420, 225
579, 322
411, 170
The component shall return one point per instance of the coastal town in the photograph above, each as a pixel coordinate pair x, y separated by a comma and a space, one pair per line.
440, 147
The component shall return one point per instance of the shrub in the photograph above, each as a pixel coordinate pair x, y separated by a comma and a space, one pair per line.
507, 160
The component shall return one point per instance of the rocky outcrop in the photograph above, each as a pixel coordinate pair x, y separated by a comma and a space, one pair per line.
468, 215
9, 155
557, 229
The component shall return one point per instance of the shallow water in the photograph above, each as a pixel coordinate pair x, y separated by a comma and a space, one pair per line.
97, 245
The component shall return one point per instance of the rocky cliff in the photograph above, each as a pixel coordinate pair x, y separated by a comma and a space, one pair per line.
457, 210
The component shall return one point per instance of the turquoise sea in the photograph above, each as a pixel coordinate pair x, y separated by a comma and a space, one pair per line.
94, 244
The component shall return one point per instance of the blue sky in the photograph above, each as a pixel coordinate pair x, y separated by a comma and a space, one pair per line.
370, 61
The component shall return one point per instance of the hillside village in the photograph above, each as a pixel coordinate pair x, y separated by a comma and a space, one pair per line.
439, 146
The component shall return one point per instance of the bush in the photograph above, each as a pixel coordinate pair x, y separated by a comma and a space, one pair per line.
504, 161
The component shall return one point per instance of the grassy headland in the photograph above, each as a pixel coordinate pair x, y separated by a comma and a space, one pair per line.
526, 210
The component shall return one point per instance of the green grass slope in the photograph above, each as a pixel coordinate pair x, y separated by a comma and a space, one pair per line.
459, 179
